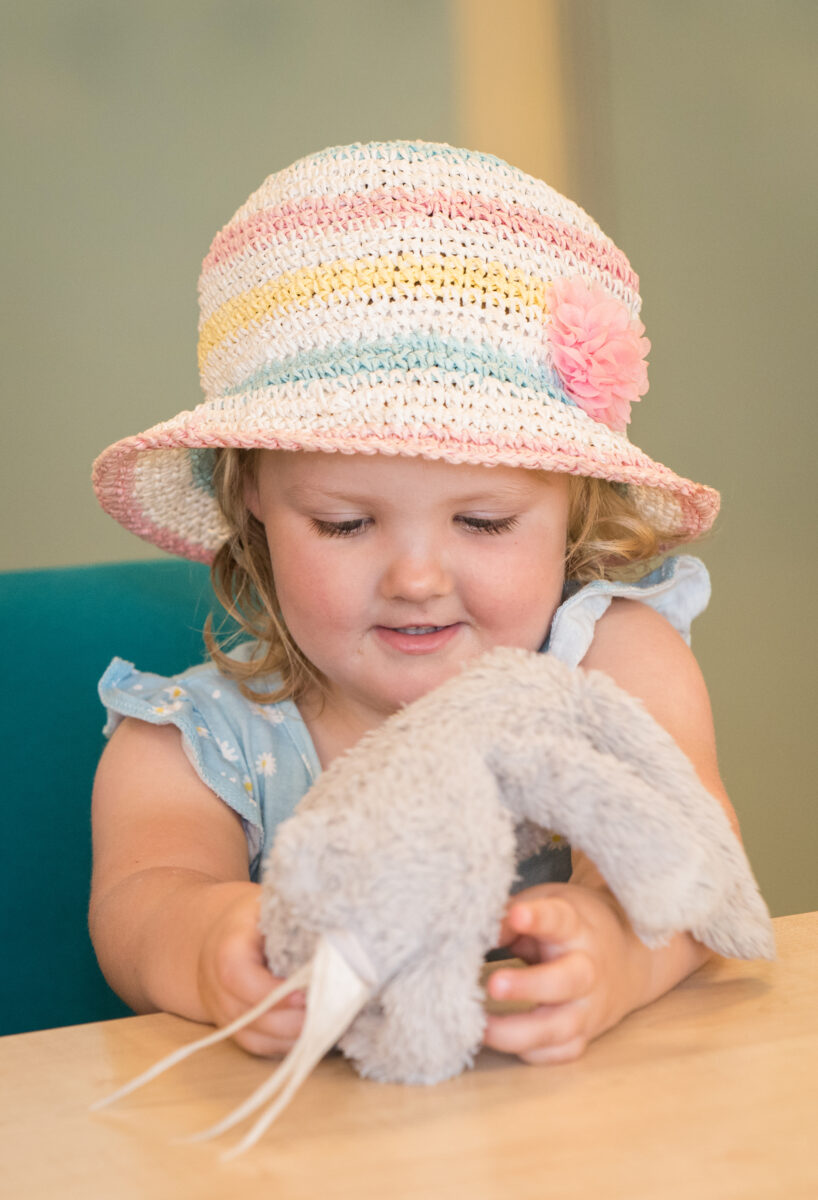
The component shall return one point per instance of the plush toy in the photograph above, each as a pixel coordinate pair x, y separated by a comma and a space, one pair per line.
386, 889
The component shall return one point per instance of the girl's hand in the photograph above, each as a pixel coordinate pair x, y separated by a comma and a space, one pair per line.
587, 971
587, 967
233, 976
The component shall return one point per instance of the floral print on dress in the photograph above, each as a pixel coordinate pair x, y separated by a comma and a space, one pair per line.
176, 697
269, 713
266, 764
229, 753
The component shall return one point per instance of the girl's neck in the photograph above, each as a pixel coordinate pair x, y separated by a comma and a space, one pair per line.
334, 728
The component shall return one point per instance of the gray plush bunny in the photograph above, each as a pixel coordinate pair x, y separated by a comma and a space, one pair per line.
386, 889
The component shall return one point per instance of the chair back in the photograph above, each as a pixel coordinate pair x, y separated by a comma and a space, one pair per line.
63, 626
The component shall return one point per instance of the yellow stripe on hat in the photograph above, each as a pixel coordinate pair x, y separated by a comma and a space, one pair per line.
402, 275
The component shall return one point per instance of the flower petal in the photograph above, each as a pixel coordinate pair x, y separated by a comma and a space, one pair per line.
597, 349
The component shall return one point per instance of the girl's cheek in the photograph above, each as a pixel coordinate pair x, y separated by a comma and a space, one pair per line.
296, 564
521, 586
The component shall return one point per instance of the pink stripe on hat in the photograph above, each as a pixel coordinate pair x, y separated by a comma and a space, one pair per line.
420, 207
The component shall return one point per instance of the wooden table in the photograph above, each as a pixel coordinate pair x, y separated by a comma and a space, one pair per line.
710, 1092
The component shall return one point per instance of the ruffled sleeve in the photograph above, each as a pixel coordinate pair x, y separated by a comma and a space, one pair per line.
257, 758
679, 589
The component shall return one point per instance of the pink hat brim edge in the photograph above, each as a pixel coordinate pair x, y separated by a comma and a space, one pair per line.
113, 470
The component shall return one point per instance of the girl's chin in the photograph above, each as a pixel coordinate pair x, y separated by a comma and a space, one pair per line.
398, 692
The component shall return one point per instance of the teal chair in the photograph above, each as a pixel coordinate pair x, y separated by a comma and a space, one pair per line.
61, 628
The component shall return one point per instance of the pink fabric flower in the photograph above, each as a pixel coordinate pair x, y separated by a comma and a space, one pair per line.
597, 349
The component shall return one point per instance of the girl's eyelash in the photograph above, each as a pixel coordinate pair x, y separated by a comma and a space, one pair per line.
338, 528
489, 524
349, 528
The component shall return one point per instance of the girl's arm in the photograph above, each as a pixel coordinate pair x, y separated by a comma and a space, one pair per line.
173, 915
588, 968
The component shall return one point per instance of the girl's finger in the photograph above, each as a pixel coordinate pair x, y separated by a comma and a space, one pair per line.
517, 946
287, 1013
242, 973
262, 1045
566, 1052
247, 982
550, 919
543, 1027
561, 981
275, 1033
280, 1022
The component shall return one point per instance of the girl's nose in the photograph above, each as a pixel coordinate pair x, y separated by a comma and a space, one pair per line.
416, 577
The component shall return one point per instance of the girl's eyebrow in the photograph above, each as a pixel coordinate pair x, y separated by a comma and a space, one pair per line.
310, 493
307, 493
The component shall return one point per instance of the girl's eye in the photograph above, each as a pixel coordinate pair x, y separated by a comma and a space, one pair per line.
489, 524
339, 528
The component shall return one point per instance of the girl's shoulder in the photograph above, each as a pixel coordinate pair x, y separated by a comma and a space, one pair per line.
202, 689
645, 655
257, 757
679, 590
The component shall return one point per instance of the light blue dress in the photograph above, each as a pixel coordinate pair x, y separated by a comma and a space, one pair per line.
259, 758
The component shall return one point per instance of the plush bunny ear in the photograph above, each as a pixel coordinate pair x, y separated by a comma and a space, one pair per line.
598, 770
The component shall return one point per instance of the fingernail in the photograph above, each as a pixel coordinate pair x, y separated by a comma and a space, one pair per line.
522, 917
500, 986
298, 1000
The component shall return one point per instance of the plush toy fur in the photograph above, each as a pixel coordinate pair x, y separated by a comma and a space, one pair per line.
386, 888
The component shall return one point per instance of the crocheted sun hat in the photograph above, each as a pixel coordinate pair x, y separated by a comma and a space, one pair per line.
405, 298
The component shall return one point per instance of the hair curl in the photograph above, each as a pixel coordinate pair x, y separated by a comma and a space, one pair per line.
242, 577
607, 539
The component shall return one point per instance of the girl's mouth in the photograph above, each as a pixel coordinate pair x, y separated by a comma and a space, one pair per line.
417, 639
415, 630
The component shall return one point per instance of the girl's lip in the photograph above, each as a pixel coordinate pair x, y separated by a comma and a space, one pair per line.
417, 643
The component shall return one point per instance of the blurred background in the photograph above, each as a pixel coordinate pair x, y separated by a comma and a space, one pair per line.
132, 131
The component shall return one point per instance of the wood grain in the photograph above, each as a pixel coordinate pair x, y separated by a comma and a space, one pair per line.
710, 1092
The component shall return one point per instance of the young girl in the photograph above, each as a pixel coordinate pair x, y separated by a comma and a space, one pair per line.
419, 365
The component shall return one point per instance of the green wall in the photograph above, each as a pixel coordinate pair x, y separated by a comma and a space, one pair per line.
135, 131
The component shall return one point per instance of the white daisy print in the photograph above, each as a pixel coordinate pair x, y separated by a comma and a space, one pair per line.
229, 753
271, 713
266, 764
202, 732
247, 784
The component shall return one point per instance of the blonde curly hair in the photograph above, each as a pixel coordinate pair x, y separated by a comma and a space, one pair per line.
607, 539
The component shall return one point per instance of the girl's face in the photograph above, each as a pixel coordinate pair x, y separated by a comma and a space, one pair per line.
391, 572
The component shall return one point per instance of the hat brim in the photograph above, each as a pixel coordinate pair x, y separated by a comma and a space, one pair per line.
157, 483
